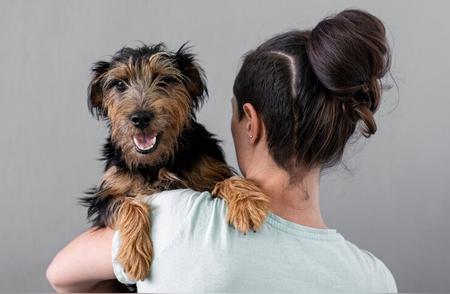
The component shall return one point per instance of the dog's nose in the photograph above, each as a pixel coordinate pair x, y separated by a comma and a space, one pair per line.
141, 119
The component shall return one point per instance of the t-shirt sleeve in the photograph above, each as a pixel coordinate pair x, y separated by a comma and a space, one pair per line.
391, 285
121, 276
168, 212
383, 279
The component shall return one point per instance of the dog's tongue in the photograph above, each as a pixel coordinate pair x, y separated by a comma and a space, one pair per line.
145, 140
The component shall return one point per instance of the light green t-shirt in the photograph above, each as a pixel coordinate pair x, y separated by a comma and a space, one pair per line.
196, 250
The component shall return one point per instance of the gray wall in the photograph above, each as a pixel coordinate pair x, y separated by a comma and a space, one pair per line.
394, 201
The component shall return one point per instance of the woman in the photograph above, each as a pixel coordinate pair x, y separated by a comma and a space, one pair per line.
298, 98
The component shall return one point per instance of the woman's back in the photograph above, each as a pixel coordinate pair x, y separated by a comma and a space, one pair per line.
196, 250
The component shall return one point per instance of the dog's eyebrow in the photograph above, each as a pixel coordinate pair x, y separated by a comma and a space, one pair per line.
120, 70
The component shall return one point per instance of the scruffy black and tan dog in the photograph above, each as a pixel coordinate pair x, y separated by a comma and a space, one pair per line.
148, 96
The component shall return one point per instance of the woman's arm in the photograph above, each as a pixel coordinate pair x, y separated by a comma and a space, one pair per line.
85, 265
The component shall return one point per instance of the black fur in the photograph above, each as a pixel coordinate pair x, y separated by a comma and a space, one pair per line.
183, 59
195, 142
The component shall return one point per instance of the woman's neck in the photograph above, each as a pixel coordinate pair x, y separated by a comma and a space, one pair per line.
296, 200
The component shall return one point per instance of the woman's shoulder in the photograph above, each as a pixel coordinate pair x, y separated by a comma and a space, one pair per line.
170, 212
383, 280
175, 210
383, 273
171, 196
180, 202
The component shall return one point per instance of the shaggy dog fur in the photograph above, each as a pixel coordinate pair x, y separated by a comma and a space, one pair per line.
148, 97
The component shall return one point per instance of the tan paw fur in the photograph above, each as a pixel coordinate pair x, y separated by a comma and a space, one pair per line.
136, 250
247, 204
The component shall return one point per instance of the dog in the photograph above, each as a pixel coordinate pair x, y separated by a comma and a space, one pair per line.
148, 97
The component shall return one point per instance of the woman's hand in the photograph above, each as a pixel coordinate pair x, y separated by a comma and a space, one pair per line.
85, 264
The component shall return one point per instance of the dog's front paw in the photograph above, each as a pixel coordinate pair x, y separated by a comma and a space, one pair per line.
247, 213
136, 248
247, 204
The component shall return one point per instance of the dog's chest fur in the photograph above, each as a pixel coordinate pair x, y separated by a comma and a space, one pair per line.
198, 163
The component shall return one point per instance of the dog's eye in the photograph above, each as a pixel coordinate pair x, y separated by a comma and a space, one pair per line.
119, 85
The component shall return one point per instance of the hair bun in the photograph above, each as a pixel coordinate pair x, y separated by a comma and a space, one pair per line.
349, 53
348, 50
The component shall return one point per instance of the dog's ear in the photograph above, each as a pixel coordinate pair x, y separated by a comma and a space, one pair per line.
95, 89
195, 81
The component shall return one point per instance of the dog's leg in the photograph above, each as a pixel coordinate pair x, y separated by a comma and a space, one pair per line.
136, 249
131, 217
247, 204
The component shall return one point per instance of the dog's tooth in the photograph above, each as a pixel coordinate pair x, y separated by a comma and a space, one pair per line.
141, 147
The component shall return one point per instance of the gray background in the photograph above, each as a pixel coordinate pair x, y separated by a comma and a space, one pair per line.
394, 201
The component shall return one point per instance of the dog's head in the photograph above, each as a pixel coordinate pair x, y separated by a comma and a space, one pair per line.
148, 95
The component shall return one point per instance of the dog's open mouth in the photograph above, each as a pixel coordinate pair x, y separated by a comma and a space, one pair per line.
146, 143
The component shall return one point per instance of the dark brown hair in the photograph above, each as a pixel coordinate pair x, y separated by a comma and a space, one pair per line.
312, 88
